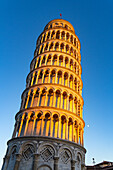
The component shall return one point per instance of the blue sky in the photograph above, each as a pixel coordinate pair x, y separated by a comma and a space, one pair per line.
21, 22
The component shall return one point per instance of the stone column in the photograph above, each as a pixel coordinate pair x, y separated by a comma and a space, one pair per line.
34, 121
43, 76
67, 102
46, 61
20, 128
37, 78
73, 132
42, 125
32, 99
61, 101
39, 99
32, 79
5, 162
56, 77
26, 126
51, 126
73, 164
49, 77
15, 129
59, 127
82, 167
35, 161
57, 60
66, 137
27, 99
17, 162
45, 102
63, 61
53, 105
56, 158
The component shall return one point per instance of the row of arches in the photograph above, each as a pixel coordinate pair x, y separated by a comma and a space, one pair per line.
56, 60
55, 77
59, 25
61, 35
57, 46
27, 154
53, 125
52, 98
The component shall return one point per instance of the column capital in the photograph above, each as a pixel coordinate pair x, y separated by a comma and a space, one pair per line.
18, 156
36, 155
73, 163
56, 158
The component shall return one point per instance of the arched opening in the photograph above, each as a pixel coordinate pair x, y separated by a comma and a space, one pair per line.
75, 83
60, 60
38, 62
62, 47
63, 127
40, 77
59, 77
64, 100
50, 98
49, 60
75, 105
75, 67
55, 59
75, 41
24, 124
66, 62
36, 96
58, 35
71, 51
30, 81
42, 49
70, 103
52, 76
51, 47
43, 60
65, 79
71, 64
34, 80
30, 99
70, 129
67, 36
63, 35
71, 39
57, 46
48, 36
30, 125
42, 98
46, 76
25, 100
46, 47
46, 130
67, 48
55, 125
57, 103
71, 81
37, 129
53, 35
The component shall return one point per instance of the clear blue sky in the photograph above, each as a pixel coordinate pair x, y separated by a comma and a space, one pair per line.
21, 22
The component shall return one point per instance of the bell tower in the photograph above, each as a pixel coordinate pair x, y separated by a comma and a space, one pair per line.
49, 127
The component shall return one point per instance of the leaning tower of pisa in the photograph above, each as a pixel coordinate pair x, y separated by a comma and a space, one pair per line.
49, 127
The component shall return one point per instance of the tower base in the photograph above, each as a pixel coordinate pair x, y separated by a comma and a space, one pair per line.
43, 153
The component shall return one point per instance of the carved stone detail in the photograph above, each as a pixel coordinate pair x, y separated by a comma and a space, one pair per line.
65, 156
47, 153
